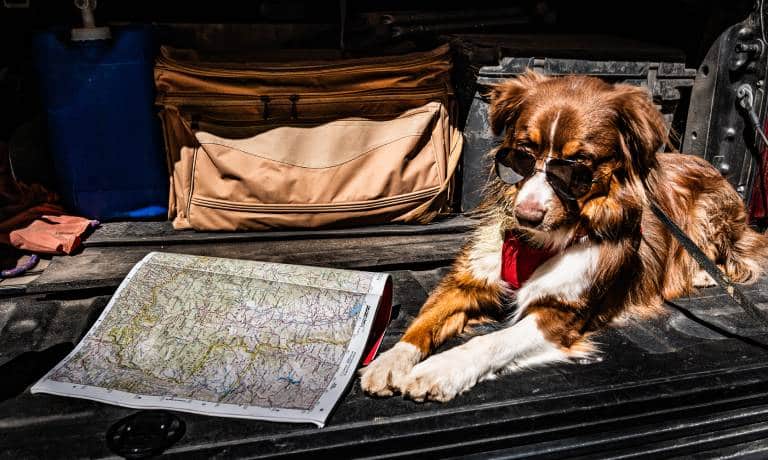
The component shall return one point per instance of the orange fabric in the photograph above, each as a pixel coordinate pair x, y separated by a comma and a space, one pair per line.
44, 229
30, 221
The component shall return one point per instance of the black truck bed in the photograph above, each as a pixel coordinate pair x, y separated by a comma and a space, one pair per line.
682, 385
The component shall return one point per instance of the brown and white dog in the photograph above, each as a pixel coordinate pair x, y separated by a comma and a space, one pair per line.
605, 254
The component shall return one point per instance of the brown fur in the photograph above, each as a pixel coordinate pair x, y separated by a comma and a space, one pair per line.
641, 263
458, 299
616, 130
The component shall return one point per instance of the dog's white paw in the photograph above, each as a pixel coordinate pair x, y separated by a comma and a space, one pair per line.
386, 374
442, 377
702, 279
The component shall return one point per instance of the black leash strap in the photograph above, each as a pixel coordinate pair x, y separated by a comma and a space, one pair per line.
720, 278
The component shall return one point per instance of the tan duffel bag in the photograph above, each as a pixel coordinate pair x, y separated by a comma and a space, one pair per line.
329, 143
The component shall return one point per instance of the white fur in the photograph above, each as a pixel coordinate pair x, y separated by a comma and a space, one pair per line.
552, 131
702, 279
565, 276
454, 371
386, 374
536, 189
485, 254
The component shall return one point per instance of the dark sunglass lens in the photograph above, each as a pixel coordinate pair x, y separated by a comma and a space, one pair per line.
514, 166
581, 180
507, 174
573, 179
503, 157
559, 185
522, 162
560, 170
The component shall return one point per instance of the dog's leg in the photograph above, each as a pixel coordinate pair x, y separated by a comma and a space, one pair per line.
471, 290
443, 376
554, 319
458, 299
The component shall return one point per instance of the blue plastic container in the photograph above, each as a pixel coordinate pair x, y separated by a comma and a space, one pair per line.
104, 133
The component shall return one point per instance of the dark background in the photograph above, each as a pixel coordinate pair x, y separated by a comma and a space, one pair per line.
342, 28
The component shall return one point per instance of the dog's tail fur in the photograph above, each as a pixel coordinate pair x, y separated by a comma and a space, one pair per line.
748, 257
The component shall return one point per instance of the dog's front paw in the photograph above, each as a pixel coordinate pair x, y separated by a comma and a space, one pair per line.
386, 374
441, 377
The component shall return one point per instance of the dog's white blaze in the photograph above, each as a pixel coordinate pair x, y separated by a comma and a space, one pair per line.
565, 276
485, 254
536, 189
552, 131
458, 369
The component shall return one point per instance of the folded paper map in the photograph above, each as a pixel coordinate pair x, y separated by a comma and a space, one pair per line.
228, 338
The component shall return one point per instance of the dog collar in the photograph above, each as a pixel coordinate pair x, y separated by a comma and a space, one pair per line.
519, 260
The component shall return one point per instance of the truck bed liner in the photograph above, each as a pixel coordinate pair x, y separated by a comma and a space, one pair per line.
680, 385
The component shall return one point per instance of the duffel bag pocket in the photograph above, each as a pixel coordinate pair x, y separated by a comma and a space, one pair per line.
348, 171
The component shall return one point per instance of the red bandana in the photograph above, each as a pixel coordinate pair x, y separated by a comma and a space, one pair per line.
519, 261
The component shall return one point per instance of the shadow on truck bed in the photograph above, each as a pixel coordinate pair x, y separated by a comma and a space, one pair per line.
680, 385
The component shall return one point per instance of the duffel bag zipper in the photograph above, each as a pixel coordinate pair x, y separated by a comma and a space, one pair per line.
349, 68
367, 205
214, 99
196, 116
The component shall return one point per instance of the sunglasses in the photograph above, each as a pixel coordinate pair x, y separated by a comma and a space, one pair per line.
571, 179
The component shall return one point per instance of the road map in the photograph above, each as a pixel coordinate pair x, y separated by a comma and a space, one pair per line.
226, 337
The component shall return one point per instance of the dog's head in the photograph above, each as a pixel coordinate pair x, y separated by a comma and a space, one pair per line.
610, 131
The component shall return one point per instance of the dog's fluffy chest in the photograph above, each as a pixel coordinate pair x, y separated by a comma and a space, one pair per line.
533, 274
566, 276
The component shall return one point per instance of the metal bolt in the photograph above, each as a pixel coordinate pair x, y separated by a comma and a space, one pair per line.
730, 134
744, 32
750, 48
745, 95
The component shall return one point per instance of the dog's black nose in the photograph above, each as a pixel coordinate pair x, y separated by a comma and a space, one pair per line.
529, 214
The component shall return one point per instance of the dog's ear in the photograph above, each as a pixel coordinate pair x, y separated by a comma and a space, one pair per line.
641, 126
508, 97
